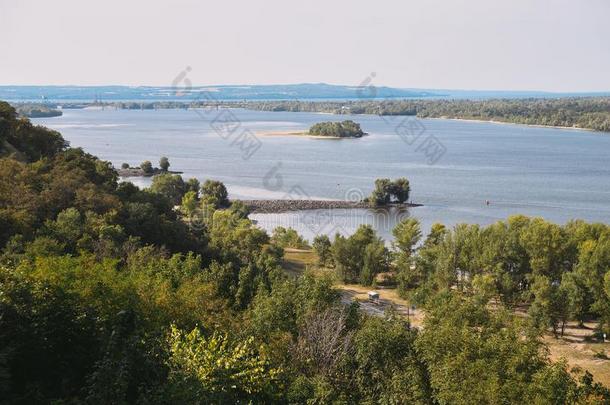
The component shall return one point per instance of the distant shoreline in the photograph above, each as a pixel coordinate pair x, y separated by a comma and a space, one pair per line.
508, 123
279, 206
304, 133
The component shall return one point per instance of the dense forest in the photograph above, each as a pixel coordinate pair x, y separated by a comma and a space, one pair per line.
577, 112
587, 112
108, 294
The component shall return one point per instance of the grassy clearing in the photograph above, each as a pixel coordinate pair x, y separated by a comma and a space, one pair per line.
574, 348
296, 261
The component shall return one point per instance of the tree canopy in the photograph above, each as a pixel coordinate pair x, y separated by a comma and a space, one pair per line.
344, 129
387, 191
110, 295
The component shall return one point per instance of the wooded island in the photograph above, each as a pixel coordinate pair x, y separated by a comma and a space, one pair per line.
344, 129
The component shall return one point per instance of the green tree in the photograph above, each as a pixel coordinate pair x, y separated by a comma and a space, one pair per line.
68, 227
170, 186
215, 193
456, 258
436, 235
546, 244
288, 238
348, 253
400, 189
240, 209
382, 193
193, 185
215, 370
603, 305
407, 234
189, 202
345, 263
323, 248
38, 319
164, 164
415, 271
33, 142
146, 167
374, 261
551, 306
476, 355
386, 365
593, 265
503, 256
579, 298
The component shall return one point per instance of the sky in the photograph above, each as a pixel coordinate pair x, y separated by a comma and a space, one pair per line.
547, 45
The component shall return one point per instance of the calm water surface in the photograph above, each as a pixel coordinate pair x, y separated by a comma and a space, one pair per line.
554, 173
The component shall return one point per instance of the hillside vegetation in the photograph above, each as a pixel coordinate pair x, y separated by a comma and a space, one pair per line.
37, 111
110, 295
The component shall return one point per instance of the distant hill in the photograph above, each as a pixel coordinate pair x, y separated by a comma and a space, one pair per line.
307, 91
223, 92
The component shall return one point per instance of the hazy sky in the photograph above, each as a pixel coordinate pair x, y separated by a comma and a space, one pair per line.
556, 45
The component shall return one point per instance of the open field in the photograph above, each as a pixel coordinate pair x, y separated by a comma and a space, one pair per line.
578, 352
296, 261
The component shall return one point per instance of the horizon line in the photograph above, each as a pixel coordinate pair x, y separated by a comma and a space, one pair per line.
199, 86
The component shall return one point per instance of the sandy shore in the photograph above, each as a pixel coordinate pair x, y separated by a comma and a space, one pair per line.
508, 123
303, 134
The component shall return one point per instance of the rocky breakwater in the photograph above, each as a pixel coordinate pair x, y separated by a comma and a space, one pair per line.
275, 206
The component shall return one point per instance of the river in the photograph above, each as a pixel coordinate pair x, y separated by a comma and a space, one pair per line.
454, 167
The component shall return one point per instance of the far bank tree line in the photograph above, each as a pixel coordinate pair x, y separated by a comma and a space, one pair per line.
583, 112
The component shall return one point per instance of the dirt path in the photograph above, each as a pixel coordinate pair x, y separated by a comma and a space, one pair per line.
387, 298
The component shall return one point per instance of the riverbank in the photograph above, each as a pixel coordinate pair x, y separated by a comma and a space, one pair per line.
277, 206
509, 123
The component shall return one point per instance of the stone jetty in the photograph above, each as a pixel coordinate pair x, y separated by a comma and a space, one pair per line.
275, 206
